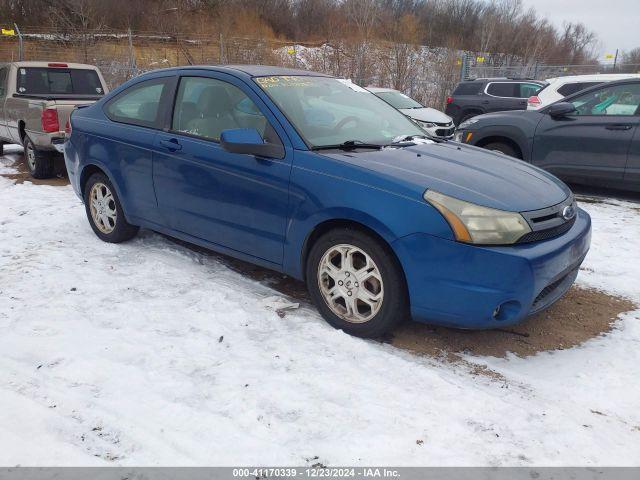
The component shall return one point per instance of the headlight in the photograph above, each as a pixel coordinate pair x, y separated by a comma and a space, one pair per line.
473, 223
468, 123
425, 124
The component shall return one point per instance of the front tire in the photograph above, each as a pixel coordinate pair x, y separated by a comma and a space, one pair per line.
356, 283
39, 162
502, 148
104, 211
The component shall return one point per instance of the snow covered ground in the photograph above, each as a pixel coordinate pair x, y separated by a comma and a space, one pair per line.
148, 353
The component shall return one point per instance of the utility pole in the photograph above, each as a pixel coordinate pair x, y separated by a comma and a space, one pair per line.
615, 61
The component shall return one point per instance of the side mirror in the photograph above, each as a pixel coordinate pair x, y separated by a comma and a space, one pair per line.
249, 142
561, 109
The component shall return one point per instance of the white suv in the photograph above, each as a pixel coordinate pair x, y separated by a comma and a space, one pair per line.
561, 87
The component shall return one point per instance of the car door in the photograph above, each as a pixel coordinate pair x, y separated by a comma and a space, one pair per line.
126, 146
632, 170
233, 200
503, 96
591, 145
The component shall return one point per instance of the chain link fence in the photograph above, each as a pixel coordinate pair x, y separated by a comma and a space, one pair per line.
427, 74
492, 66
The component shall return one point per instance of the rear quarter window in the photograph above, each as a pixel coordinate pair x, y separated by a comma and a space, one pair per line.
140, 104
468, 88
529, 89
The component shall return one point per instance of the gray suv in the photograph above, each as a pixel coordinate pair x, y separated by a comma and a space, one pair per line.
591, 137
486, 95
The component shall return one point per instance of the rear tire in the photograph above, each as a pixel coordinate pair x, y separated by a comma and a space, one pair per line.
104, 211
502, 148
40, 163
356, 283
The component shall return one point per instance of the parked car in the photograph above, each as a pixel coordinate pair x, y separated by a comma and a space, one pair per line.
435, 122
591, 137
485, 95
36, 99
561, 87
318, 178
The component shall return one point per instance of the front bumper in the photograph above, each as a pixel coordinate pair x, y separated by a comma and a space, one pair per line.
441, 131
475, 287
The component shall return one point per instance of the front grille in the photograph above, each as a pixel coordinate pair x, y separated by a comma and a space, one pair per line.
559, 286
546, 291
445, 132
548, 222
547, 233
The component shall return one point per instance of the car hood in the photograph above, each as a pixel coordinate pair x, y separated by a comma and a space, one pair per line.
505, 118
427, 115
461, 171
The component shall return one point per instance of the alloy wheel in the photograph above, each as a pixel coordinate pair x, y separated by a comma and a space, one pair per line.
31, 157
103, 208
350, 283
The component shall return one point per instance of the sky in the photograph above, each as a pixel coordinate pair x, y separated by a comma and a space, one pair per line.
616, 22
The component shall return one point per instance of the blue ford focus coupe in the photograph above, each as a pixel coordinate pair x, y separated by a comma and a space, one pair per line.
318, 178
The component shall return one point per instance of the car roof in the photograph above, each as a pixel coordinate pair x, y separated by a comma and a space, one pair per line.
504, 79
249, 70
268, 70
41, 64
592, 77
381, 89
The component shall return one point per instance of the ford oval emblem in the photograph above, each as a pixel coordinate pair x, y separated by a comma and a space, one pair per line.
568, 212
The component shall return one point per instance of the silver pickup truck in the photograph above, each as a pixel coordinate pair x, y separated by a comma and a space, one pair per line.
36, 99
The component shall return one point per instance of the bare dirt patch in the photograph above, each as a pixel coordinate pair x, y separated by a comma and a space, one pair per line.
16, 160
580, 315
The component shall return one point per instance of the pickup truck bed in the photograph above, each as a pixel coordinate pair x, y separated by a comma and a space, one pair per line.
36, 100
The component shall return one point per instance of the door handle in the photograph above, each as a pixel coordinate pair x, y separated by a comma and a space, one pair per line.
618, 127
171, 144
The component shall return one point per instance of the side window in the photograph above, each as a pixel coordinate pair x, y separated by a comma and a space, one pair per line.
205, 107
571, 88
139, 104
616, 100
3, 81
503, 89
470, 88
529, 89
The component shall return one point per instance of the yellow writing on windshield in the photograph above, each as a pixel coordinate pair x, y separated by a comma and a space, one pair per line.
284, 81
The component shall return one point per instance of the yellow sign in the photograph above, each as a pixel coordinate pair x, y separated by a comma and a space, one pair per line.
609, 56
480, 59
291, 51
8, 31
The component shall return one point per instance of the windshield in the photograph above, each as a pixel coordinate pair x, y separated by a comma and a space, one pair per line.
398, 100
48, 81
330, 111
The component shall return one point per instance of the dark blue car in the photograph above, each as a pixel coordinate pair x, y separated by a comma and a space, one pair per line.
316, 177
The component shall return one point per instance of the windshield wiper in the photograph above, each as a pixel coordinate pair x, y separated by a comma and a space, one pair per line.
348, 145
